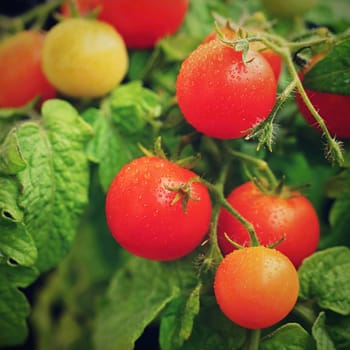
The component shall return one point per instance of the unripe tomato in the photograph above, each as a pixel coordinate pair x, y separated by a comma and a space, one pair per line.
288, 8
156, 209
274, 59
140, 22
274, 217
333, 108
21, 74
84, 57
256, 287
220, 95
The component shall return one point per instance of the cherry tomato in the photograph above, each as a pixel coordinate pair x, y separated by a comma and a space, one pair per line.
273, 217
140, 22
22, 77
147, 211
332, 107
256, 287
288, 8
84, 57
220, 95
274, 59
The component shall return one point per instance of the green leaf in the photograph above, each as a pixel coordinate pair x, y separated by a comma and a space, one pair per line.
290, 336
126, 118
55, 181
9, 193
14, 307
177, 321
7, 113
137, 294
213, 330
332, 73
325, 277
11, 159
320, 333
338, 327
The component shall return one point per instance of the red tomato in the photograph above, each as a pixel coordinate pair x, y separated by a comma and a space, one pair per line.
274, 59
141, 23
256, 287
144, 216
22, 77
273, 217
333, 108
220, 95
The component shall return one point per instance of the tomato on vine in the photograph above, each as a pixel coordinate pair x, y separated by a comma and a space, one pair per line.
332, 107
289, 216
256, 287
22, 78
222, 96
274, 59
157, 209
140, 22
84, 58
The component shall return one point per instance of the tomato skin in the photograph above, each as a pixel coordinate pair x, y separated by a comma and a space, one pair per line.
330, 106
272, 217
22, 76
274, 59
140, 22
142, 218
288, 8
222, 97
256, 287
84, 58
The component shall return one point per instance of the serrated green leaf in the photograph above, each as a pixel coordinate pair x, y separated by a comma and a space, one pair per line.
325, 277
55, 181
213, 330
290, 336
332, 73
11, 159
14, 307
137, 294
320, 334
177, 321
9, 193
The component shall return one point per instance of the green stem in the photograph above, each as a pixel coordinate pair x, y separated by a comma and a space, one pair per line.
260, 164
253, 340
306, 312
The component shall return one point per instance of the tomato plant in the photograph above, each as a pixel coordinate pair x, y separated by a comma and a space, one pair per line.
256, 287
157, 210
289, 216
220, 95
22, 77
84, 57
331, 106
140, 22
271, 56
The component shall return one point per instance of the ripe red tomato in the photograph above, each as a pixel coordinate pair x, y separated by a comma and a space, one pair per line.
274, 59
332, 107
22, 77
256, 287
273, 217
144, 216
220, 95
140, 22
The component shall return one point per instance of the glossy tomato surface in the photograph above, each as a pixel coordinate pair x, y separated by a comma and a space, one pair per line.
84, 58
147, 213
140, 22
273, 218
333, 108
256, 287
220, 95
274, 59
22, 77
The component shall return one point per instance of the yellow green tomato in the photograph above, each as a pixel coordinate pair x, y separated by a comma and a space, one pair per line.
84, 58
288, 8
